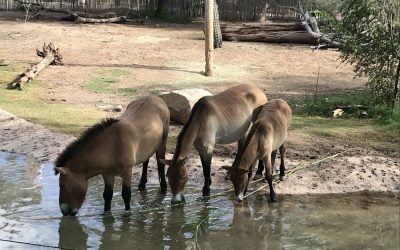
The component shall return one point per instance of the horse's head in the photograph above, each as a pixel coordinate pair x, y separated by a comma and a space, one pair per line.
177, 177
240, 180
73, 187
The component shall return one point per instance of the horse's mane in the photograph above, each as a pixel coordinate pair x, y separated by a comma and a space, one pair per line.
76, 146
184, 129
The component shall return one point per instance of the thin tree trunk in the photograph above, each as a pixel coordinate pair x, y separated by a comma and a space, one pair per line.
396, 86
217, 27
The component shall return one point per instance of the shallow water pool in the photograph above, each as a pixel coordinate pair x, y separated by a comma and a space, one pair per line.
29, 214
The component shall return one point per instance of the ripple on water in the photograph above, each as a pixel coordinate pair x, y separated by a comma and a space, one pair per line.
29, 213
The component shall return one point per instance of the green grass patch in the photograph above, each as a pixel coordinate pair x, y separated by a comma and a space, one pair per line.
361, 104
9, 73
352, 127
57, 117
105, 80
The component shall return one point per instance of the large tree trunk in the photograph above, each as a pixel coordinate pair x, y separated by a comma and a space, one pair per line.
160, 7
217, 28
267, 32
50, 55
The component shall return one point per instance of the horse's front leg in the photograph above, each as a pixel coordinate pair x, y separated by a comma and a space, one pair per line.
268, 175
143, 178
126, 188
282, 152
260, 170
206, 157
108, 191
160, 154
250, 173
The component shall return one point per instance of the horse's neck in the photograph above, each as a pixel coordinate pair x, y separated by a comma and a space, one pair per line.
186, 140
86, 163
248, 153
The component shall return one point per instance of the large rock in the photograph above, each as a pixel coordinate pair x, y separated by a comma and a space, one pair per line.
181, 102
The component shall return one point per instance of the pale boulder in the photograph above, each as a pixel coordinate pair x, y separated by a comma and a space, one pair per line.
180, 102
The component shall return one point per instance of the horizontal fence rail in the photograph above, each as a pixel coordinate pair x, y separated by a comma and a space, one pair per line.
229, 10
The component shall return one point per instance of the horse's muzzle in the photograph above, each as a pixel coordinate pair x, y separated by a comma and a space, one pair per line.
67, 211
178, 198
239, 197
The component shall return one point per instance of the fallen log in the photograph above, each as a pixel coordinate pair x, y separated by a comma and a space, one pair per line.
79, 19
267, 32
50, 55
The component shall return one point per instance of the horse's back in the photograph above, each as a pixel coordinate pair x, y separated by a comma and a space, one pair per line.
273, 122
146, 121
146, 107
227, 114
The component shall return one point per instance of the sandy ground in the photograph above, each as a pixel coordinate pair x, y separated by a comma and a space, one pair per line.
159, 57
363, 170
156, 57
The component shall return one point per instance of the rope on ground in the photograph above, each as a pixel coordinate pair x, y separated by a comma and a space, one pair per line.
34, 244
291, 171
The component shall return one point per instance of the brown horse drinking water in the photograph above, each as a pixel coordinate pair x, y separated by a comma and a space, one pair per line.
112, 148
220, 119
266, 136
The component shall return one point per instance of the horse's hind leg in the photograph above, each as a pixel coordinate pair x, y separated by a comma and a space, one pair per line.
143, 178
282, 152
108, 191
126, 188
160, 154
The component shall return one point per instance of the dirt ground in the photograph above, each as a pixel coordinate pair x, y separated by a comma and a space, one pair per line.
152, 58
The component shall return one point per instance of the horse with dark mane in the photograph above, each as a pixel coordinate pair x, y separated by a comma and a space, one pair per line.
220, 119
111, 148
267, 134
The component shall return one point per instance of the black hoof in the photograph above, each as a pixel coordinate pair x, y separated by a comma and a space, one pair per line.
163, 190
206, 191
142, 187
281, 177
127, 208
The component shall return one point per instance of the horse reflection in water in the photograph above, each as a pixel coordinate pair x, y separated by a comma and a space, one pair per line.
253, 224
256, 224
154, 230
72, 235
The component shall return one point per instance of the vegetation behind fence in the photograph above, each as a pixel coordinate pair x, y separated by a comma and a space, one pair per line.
230, 10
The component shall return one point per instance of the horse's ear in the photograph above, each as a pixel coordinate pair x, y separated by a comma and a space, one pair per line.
166, 162
61, 170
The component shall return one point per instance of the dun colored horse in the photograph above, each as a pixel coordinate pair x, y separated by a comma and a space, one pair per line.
220, 119
267, 134
112, 148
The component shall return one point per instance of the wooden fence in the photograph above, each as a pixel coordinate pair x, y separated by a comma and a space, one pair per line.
229, 10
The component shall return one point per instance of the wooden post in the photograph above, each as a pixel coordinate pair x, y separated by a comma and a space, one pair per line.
209, 20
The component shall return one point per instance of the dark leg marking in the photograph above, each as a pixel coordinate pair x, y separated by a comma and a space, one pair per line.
143, 178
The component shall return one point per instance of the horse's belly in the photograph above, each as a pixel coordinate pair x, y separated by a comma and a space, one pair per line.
232, 134
147, 146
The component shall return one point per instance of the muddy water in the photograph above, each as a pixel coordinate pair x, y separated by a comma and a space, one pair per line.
29, 213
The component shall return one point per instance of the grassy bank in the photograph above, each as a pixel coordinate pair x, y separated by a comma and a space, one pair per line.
29, 105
